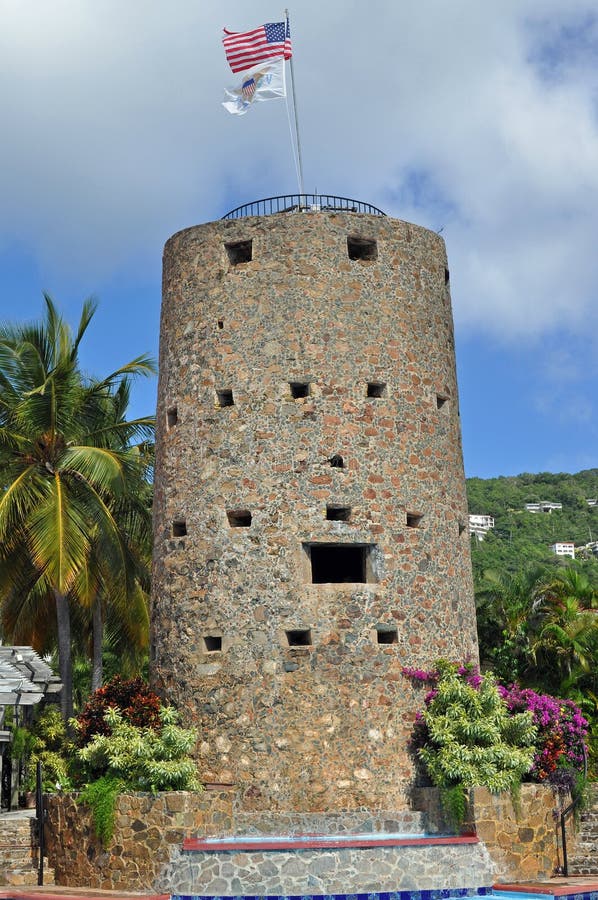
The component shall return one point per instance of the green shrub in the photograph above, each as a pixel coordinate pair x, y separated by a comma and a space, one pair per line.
471, 739
137, 759
101, 796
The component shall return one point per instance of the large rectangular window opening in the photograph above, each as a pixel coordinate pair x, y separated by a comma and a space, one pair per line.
340, 563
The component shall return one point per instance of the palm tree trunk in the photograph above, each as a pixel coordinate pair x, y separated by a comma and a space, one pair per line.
97, 671
65, 663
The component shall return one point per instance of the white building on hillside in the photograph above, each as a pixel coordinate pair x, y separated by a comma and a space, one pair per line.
543, 506
564, 548
480, 525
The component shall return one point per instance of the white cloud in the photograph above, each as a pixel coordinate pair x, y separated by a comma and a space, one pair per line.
478, 118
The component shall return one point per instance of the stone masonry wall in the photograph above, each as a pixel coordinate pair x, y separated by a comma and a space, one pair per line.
293, 674
520, 837
148, 829
146, 851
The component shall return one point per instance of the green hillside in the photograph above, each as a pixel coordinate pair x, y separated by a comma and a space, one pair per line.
521, 538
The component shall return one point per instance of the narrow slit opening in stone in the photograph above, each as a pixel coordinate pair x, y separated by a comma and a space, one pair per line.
172, 416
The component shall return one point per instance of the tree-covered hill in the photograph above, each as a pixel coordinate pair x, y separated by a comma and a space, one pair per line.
521, 538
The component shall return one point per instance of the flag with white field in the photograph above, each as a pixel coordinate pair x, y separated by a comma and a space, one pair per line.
263, 82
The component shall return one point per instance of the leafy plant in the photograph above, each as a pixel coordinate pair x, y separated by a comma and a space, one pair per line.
100, 796
470, 737
138, 705
50, 746
135, 758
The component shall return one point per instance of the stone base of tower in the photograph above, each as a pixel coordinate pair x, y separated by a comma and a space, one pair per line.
162, 842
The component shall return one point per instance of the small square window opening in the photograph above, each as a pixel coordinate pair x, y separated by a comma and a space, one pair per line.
387, 635
239, 518
225, 398
362, 248
212, 643
376, 389
441, 401
299, 389
172, 417
336, 461
179, 528
414, 520
299, 637
338, 513
239, 252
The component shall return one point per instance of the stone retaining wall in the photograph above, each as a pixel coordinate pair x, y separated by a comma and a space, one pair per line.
324, 872
520, 837
146, 851
148, 828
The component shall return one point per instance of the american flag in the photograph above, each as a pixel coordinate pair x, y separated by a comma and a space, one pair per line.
248, 48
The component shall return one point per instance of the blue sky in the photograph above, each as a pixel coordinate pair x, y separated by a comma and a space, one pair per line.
477, 119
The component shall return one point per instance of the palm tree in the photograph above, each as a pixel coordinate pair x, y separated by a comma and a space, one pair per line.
567, 641
507, 609
571, 581
565, 645
66, 463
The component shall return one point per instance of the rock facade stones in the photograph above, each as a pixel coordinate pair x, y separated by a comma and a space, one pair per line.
519, 835
146, 853
149, 829
310, 507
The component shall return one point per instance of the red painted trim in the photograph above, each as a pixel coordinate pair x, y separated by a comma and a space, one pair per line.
318, 843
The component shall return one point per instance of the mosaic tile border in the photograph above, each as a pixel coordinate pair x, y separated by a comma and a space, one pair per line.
444, 894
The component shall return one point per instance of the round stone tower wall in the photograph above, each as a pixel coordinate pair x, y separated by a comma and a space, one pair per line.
310, 513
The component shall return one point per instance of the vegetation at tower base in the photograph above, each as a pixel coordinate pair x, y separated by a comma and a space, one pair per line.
74, 509
469, 739
135, 758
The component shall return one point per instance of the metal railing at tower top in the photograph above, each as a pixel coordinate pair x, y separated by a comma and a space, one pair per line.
291, 203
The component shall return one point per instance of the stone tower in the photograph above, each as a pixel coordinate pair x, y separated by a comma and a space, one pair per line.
310, 512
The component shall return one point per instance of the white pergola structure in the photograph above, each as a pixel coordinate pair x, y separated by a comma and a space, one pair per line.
25, 678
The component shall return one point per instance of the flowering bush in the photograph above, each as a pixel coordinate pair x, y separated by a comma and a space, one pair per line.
138, 705
473, 731
562, 730
468, 736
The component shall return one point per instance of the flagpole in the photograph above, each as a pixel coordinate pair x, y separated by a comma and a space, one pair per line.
301, 189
